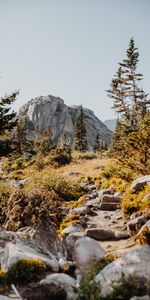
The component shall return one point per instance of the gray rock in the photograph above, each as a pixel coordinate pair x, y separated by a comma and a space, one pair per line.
100, 234
14, 252
86, 252
140, 183
81, 211
104, 192
136, 263
135, 224
92, 203
63, 280
2, 297
146, 297
70, 241
117, 194
51, 111
72, 228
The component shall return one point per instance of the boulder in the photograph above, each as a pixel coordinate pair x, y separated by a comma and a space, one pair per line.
140, 183
64, 281
69, 243
103, 192
72, 228
135, 224
134, 263
87, 252
52, 291
14, 252
121, 235
146, 297
81, 211
2, 297
109, 206
100, 234
110, 199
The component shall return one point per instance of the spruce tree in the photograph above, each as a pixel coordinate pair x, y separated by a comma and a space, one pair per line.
7, 117
130, 101
43, 142
19, 137
80, 139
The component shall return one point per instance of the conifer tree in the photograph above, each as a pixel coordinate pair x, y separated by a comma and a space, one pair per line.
20, 141
7, 117
80, 139
43, 142
130, 101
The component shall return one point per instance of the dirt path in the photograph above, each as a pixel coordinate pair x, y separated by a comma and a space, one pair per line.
114, 221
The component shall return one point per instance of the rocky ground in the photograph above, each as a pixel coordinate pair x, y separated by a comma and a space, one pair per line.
101, 230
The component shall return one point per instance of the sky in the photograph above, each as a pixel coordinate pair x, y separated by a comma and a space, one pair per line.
70, 48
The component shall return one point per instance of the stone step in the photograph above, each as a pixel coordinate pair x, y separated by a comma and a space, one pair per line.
100, 234
109, 206
110, 199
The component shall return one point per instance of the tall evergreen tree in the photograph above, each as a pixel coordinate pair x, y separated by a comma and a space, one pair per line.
80, 139
7, 117
129, 99
43, 142
19, 137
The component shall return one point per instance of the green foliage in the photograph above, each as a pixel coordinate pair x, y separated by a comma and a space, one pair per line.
80, 140
90, 289
129, 287
66, 187
5, 191
43, 142
7, 118
60, 157
25, 270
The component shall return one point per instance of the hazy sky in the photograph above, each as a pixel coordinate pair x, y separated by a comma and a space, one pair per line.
70, 48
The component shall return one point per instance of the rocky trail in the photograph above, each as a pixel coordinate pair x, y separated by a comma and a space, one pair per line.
101, 231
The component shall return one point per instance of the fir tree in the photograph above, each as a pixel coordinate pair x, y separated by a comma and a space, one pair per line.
7, 117
19, 137
80, 140
130, 101
43, 142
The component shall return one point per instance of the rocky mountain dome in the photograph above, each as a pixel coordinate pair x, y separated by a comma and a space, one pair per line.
51, 111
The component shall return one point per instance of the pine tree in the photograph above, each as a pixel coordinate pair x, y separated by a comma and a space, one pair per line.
43, 142
7, 118
130, 101
19, 137
80, 140
99, 144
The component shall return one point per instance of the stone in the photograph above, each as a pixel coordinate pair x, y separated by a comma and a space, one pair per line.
14, 252
109, 206
51, 111
110, 199
86, 252
103, 192
146, 297
72, 228
140, 183
62, 280
2, 297
100, 234
135, 224
69, 243
135, 262
39, 291
81, 211
121, 235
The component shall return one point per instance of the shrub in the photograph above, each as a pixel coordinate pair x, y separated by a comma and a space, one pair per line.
89, 289
60, 157
83, 155
5, 190
129, 287
25, 270
67, 188
133, 202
